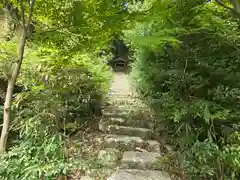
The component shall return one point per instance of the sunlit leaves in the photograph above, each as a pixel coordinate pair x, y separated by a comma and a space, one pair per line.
186, 61
7, 58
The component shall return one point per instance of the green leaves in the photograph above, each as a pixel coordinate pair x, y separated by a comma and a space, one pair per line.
203, 154
7, 58
232, 5
64, 101
186, 57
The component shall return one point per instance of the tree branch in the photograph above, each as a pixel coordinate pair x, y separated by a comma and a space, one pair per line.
30, 12
54, 29
22, 14
31, 4
235, 11
236, 5
224, 5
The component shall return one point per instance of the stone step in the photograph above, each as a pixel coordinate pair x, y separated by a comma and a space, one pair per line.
115, 113
152, 146
117, 93
122, 108
109, 156
131, 95
126, 111
86, 178
121, 120
139, 160
144, 133
124, 98
120, 96
123, 102
131, 174
127, 143
124, 143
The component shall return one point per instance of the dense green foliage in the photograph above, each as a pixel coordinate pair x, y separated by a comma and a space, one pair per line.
187, 69
64, 93
64, 84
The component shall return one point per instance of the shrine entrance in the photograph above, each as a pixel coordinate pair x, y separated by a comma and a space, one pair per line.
119, 65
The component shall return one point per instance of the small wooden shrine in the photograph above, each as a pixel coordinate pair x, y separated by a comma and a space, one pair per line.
119, 64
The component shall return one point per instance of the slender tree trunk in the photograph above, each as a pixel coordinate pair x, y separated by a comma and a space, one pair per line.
10, 88
12, 79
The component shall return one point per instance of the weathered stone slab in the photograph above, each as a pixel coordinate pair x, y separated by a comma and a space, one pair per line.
105, 122
109, 156
152, 146
139, 160
126, 143
123, 121
86, 178
130, 174
122, 142
144, 133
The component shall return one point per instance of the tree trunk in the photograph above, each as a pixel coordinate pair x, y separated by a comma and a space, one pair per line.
10, 89
12, 79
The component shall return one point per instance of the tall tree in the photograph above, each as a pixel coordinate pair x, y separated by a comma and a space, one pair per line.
25, 25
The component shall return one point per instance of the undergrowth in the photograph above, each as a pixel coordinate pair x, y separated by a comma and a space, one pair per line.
187, 70
62, 94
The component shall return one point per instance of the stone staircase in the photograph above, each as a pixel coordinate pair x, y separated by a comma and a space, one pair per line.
128, 142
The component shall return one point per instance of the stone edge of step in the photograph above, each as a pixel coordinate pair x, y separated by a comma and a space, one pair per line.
144, 133
162, 175
140, 144
120, 120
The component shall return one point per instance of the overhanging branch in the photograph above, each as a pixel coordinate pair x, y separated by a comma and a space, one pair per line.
30, 14
54, 29
22, 14
30, 11
235, 3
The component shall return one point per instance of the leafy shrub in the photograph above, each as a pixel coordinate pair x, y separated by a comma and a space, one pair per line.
37, 149
61, 91
79, 82
188, 73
